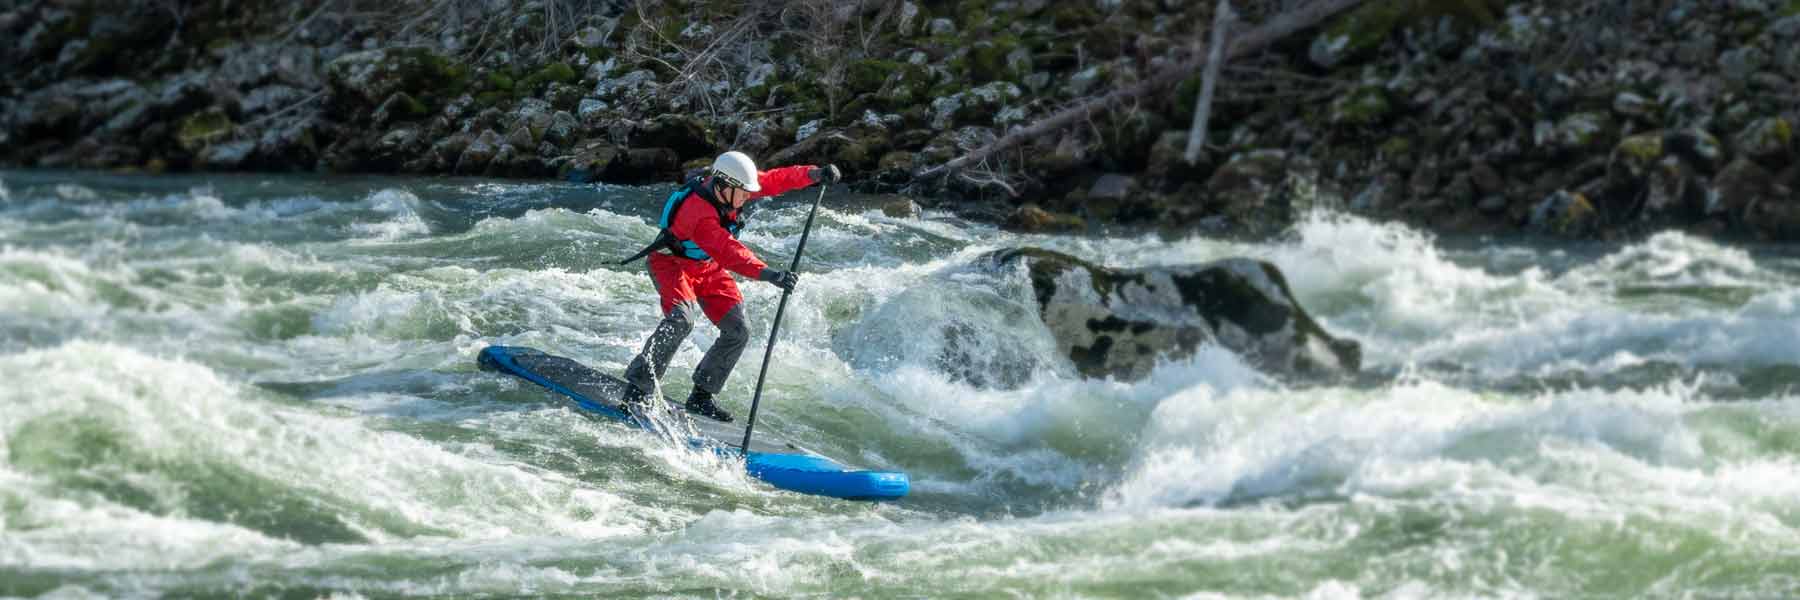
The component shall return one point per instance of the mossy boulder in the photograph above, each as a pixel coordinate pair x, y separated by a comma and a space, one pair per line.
641, 165
1582, 132
564, 96
1635, 154
532, 115
1769, 140
987, 60
1120, 323
1030, 218
687, 135
563, 128
400, 106
1739, 188
1777, 220
1635, 158
983, 104
1697, 148
1254, 192
371, 76
556, 72
590, 163
900, 207
896, 167
198, 130
1168, 159
1565, 214
1055, 158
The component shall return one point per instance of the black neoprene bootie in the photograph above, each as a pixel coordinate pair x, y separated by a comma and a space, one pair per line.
701, 403
635, 397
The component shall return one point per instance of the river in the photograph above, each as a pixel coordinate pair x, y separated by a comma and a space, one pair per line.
225, 385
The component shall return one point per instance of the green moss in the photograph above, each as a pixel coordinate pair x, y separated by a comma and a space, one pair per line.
202, 128
756, 94
896, 161
1642, 149
916, 74
986, 60
971, 14
500, 81
869, 75
948, 88
1369, 26
1108, 40
1792, 8
798, 91
1074, 15
1368, 105
554, 72
1576, 216
492, 98
1397, 146
1187, 93
414, 106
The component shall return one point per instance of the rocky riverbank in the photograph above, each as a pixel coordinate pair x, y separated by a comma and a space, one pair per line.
1576, 119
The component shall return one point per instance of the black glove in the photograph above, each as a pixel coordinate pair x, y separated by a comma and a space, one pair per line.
825, 174
782, 279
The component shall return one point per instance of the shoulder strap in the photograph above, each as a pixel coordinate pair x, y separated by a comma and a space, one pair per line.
666, 239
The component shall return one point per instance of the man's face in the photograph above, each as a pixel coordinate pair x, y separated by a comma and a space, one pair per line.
736, 197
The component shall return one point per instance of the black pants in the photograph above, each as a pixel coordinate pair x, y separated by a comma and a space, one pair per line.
714, 368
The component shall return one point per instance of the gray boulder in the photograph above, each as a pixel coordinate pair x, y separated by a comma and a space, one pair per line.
1120, 322
229, 155
482, 149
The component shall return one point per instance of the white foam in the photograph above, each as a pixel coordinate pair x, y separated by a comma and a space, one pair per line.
387, 485
73, 192
404, 221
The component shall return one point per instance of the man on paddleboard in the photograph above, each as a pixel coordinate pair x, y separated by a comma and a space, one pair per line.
691, 261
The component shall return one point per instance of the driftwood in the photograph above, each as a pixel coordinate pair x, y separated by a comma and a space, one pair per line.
1221, 30
1275, 28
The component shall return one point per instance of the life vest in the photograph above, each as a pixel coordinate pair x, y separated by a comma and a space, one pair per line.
666, 240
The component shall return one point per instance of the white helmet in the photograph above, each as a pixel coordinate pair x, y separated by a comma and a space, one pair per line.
737, 170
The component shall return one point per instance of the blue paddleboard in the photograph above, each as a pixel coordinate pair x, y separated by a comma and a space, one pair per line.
783, 465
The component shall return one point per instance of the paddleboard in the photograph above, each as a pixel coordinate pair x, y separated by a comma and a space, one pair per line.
772, 459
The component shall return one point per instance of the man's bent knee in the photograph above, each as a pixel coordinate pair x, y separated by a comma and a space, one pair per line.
732, 327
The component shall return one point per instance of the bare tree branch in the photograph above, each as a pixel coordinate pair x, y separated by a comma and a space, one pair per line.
1222, 18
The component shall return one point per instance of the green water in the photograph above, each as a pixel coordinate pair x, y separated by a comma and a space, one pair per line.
265, 386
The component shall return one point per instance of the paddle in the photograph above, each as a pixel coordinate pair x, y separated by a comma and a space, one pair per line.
806, 231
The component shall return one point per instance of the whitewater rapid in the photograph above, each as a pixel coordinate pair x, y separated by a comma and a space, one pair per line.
246, 385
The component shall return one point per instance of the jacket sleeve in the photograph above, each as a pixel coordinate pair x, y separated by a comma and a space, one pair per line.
698, 222
782, 180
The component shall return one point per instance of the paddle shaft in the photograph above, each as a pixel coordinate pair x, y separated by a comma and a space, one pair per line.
750, 426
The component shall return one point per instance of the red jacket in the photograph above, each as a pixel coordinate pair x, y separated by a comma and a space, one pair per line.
699, 222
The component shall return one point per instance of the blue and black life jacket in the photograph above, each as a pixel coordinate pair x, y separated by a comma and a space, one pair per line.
666, 240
